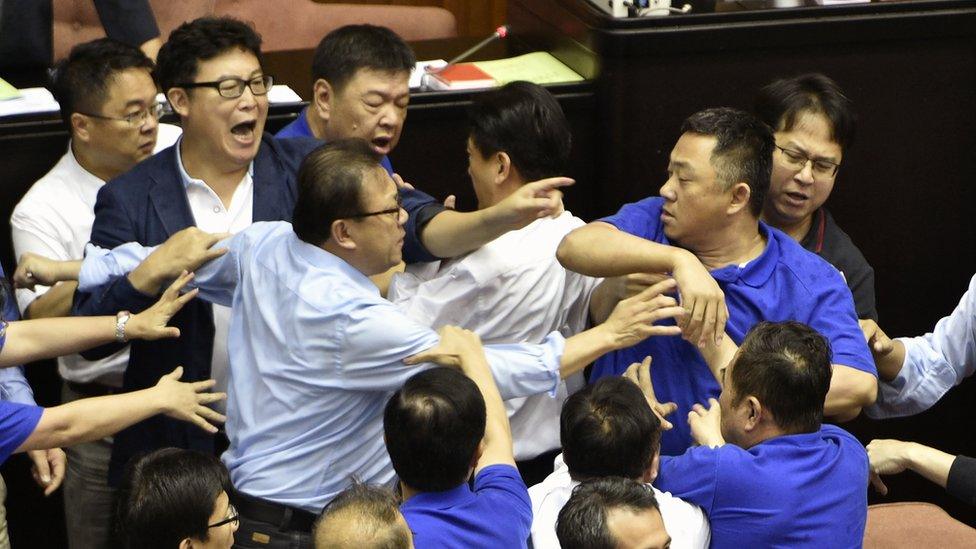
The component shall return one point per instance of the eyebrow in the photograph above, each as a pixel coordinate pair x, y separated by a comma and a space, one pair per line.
681, 165
252, 74
794, 145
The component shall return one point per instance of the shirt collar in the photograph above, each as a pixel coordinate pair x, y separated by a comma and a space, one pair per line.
447, 499
326, 261
185, 177
756, 272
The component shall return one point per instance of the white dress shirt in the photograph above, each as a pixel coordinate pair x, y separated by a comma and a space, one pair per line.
210, 215
315, 354
511, 290
54, 219
934, 363
685, 523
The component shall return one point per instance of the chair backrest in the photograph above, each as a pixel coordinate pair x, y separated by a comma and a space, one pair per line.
913, 525
291, 25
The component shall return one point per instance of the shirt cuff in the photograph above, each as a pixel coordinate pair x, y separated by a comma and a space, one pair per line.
522, 370
920, 383
962, 479
102, 265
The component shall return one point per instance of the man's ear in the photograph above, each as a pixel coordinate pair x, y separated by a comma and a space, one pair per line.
179, 100
756, 412
650, 474
187, 543
80, 127
341, 234
504, 167
477, 454
322, 97
740, 193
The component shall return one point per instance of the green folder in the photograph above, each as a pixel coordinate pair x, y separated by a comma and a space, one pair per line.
7, 91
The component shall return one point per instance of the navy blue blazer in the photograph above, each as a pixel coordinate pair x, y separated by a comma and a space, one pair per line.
147, 205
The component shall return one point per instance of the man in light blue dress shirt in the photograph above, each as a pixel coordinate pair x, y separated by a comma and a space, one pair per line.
315, 350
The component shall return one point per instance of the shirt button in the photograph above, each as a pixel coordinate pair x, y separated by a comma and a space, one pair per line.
216, 209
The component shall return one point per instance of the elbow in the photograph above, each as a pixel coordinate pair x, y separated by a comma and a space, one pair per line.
856, 394
565, 251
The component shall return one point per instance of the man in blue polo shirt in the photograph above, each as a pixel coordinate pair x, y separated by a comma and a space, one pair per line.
767, 472
360, 76
438, 427
708, 213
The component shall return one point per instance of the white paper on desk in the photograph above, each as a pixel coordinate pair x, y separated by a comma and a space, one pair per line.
31, 101
420, 69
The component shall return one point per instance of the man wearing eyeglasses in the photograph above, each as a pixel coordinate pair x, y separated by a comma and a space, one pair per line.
708, 214
108, 103
813, 124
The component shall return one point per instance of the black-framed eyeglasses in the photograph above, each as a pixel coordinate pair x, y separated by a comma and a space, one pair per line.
395, 211
136, 119
232, 88
798, 160
232, 516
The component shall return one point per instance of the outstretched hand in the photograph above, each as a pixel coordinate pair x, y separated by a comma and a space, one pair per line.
640, 374
532, 201
151, 323
633, 319
454, 343
187, 401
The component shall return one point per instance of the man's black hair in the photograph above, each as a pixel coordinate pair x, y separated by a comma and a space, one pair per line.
743, 150
330, 187
781, 103
201, 40
167, 496
582, 522
81, 81
525, 121
433, 426
374, 509
607, 429
353, 47
786, 366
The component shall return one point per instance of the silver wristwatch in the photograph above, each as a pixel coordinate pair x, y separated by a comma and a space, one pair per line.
120, 319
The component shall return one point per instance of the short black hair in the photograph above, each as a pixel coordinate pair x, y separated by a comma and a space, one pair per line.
582, 522
330, 187
781, 103
607, 429
353, 47
743, 149
372, 510
201, 40
525, 121
433, 426
167, 496
786, 366
80, 82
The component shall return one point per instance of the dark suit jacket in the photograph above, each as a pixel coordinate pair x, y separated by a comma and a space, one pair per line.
147, 205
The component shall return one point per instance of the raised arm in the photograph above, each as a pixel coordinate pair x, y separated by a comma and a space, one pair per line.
30, 340
94, 418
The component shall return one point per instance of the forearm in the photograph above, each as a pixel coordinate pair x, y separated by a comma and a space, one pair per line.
850, 391
718, 357
932, 464
452, 233
31, 340
498, 433
600, 250
605, 297
890, 365
56, 302
92, 418
585, 347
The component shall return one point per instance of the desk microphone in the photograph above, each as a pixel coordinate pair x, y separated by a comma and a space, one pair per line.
500, 32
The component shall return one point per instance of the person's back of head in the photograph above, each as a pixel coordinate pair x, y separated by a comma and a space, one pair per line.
612, 513
526, 122
81, 81
607, 429
201, 40
363, 517
172, 496
433, 428
786, 367
330, 187
743, 149
346, 50
783, 102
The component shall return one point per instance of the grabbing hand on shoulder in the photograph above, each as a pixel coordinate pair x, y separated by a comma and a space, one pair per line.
187, 401
455, 344
531, 201
640, 374
702, 299
186, 250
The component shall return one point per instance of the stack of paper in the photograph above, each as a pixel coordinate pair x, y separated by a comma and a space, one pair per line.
539, 67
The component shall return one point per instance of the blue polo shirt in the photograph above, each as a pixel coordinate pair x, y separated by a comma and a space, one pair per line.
785, 282
807, 490
299, 128
17, 421
498, 513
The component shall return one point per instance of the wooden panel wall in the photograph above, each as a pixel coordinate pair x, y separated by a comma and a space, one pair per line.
474, 17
